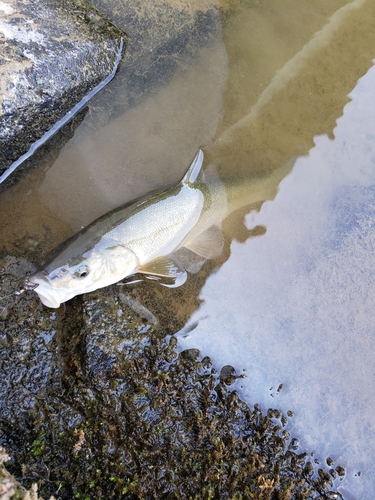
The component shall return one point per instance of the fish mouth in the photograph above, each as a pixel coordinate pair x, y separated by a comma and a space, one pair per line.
46, 294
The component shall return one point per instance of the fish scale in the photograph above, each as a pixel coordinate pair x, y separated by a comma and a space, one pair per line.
160, 227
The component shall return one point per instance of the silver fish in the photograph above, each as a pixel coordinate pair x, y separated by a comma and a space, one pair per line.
143, 236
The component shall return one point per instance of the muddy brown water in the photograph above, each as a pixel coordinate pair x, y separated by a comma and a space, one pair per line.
282, 82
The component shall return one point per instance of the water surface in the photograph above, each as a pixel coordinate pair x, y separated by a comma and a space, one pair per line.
282, 82
295, 306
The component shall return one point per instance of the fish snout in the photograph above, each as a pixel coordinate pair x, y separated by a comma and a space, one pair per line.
48, 296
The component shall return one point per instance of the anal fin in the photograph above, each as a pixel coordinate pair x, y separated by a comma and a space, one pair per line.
167, 266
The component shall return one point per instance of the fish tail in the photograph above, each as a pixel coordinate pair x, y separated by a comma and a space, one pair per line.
258, 189
280, 173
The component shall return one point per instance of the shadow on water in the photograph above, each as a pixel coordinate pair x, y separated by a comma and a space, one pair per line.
278, 75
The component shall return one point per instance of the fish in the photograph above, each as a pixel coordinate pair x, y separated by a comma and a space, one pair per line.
143, 236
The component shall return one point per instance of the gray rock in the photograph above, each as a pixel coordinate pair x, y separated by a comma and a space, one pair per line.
52, 54
27, 347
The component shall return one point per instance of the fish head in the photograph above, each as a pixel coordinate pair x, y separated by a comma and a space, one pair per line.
59, 281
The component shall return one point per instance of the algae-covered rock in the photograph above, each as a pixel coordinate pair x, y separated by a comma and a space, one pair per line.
52, 54
98, 403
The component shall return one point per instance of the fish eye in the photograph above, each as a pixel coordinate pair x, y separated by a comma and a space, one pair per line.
82, 272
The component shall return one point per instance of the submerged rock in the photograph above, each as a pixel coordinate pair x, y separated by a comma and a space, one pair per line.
163, 34
52, 55
97, 402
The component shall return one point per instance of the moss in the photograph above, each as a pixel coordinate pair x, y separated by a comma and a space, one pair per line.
123, 415
164, 430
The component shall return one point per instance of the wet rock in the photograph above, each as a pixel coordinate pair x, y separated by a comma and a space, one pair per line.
42, 158
97, 402
340, 471
10, 488
160, 29
227, 375
27, 348
52, 55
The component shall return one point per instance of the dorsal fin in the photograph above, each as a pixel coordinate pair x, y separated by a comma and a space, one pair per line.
194, 169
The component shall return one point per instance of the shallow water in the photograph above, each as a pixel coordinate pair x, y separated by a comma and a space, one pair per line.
294, 305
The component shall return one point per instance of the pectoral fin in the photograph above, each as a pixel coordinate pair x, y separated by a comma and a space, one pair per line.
165, 267
208, 244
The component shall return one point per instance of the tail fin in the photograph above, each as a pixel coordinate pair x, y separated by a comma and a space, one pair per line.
257, 189
280, 173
